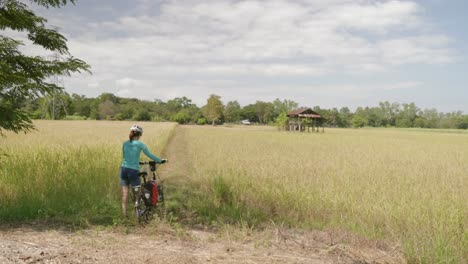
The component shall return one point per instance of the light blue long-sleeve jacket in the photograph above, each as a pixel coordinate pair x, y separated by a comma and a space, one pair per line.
131, 154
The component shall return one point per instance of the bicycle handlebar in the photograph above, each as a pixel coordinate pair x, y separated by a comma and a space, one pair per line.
153, 162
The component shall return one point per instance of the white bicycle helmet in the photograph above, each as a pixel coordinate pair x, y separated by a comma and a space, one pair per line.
136, 128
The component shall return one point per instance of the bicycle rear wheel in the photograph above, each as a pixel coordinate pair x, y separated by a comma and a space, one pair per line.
141, 211
138, 207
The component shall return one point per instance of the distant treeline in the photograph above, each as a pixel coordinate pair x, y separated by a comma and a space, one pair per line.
110, 107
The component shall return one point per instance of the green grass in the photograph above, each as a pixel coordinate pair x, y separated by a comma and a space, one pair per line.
68, 171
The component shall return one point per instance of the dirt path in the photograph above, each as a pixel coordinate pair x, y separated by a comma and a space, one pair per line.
160, 243
28, 245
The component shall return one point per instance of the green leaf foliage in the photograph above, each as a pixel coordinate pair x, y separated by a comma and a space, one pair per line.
24, 77
214, 108
182, 110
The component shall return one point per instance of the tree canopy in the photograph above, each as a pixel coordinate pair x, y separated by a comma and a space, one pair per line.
184, 111
24, 77
214, 108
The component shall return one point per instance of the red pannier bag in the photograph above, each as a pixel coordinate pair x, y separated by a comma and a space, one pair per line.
151, 188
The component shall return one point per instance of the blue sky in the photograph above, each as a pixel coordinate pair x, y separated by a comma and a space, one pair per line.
330, 53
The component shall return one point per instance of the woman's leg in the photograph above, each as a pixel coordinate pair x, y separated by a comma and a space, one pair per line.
124, 183
135, 183
124, 199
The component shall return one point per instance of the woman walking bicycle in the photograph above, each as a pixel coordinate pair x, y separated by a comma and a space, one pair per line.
130, 167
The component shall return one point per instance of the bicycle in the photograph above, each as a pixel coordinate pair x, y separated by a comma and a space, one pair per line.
143, 196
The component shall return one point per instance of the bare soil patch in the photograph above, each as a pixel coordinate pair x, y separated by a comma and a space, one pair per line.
147, 245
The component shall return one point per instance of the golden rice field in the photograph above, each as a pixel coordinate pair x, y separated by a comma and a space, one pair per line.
406, 186
68, 169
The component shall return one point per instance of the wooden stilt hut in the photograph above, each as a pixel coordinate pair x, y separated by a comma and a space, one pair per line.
304, 119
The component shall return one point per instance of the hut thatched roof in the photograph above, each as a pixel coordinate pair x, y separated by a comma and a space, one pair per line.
304, 113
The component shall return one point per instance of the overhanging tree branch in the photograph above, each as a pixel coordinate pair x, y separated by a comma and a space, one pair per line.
25, 77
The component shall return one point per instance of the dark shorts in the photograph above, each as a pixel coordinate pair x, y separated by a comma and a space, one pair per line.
129, 177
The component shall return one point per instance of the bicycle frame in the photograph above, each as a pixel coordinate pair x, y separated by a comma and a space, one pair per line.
143, 210
153, 169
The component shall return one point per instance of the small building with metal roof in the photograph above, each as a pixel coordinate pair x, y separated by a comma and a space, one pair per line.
304, 119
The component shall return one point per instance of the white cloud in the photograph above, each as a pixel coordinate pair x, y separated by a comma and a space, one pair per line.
208, 37
126, 82
377, 17
93, 85
428, 49
158, 50
123, 93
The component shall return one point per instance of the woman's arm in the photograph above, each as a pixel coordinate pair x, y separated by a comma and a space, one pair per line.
149, 154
